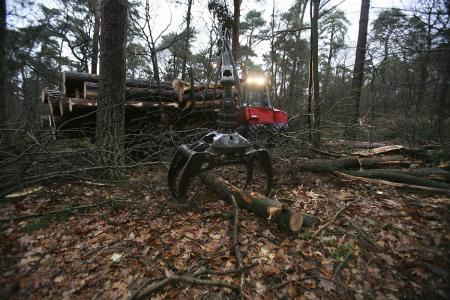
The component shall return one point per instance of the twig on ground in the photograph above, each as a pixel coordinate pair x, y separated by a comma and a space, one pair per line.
237, 249
327, 224
67, 209
144, 291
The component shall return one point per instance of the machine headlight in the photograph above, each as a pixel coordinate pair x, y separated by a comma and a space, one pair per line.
256, 80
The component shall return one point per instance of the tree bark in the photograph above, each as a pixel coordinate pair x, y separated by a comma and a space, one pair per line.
110, 115
261, 205
94, 57
358, 69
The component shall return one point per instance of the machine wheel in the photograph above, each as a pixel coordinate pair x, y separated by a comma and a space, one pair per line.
260, 134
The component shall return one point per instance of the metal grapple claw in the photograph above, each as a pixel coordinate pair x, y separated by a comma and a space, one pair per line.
215, 150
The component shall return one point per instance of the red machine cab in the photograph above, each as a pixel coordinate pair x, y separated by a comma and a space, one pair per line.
257, 107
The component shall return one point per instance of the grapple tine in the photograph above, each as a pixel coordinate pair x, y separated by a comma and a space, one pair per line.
192, 168
250, 169
178, 163
263, 157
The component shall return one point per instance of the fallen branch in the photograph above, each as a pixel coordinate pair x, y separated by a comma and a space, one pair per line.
390, 183
145, 292
67, 209
430, 173
330, 165
395, 176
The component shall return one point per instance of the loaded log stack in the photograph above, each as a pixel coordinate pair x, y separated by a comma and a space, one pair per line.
74, 106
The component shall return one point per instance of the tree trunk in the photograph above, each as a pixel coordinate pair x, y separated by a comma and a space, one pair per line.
2, 61
328, 67
294, 78
329, 165
236, 29
94, 59
315, 71
358, 69
111, 111
394, 176
309, 101
428, 173
261, 205
186, 41
273, 76
443, 110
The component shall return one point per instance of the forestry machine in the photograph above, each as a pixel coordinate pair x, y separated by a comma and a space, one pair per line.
224, 146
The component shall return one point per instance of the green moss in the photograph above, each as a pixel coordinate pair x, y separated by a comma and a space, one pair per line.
344, 251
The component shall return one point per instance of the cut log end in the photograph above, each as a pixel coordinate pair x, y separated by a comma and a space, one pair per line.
295, 222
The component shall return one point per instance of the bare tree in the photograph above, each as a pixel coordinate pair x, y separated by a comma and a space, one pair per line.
146, 33
358, 69
111, 110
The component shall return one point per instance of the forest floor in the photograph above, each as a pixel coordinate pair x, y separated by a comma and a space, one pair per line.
387, 244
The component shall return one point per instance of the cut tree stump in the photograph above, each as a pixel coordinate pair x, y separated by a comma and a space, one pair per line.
263, 206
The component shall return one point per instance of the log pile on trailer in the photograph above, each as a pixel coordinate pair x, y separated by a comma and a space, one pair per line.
75, 105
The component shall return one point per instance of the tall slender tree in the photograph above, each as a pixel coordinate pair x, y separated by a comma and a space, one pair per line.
95, 38
315, 71
187, 39
236, 28
2, 60
358, 70
111, 111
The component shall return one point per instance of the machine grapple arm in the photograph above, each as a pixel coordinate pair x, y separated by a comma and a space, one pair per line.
219, 148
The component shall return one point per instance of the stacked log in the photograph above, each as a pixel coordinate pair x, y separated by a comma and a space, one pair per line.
90, 91
80, 92
73, 83
49, 95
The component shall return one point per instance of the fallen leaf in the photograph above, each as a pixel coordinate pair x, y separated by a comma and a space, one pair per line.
260, 288
326, 285
116, 257
270, 270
